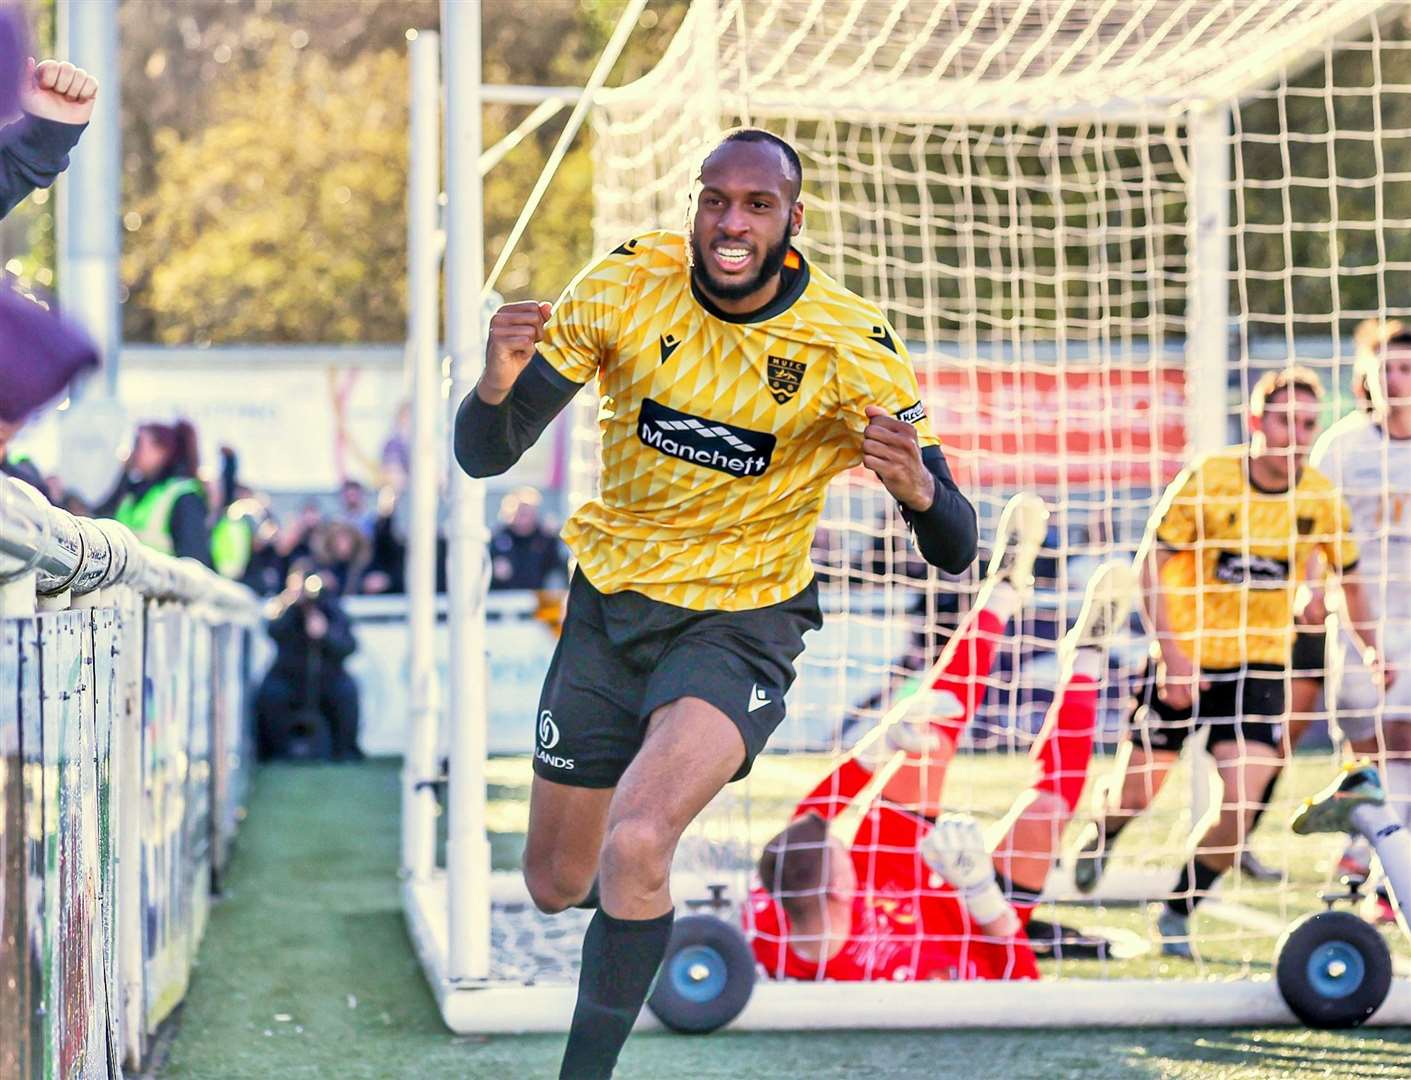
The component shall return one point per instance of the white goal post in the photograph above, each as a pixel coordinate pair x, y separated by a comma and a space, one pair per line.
1094, 223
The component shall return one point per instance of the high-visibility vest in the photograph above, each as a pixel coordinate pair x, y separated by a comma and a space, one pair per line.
150, 516
232, 539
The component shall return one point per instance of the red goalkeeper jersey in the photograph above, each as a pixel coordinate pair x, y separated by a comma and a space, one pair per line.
907, 923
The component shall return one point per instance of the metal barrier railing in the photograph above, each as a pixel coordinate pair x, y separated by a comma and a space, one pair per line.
77, 556
122, 772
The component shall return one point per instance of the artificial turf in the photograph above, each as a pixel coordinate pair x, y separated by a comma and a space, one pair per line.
306, 971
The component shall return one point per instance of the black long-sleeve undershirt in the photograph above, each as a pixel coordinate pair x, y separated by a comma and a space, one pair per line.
946, 532
32, 153
489, 439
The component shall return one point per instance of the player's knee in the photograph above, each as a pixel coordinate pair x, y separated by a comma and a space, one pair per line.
553, 887
1051, 805
639, 849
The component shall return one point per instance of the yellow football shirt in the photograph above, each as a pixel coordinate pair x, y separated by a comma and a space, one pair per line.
719, 435
1238, 553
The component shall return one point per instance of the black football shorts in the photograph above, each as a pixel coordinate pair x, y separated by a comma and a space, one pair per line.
623, 655
1243, 704
1310, 649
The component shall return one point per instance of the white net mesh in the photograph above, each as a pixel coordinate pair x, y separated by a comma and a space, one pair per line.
1012, 182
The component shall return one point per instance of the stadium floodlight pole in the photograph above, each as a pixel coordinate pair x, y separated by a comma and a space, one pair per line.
1208, 330
423, 337
467, 846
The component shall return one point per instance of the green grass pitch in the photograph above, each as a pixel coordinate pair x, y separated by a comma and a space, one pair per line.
307, 971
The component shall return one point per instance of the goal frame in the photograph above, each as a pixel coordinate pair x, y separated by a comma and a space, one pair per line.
448, 910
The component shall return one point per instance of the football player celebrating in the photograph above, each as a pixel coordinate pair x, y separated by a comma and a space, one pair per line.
736, 380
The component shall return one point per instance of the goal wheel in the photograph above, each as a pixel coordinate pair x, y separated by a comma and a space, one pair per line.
1333, 969
706, 978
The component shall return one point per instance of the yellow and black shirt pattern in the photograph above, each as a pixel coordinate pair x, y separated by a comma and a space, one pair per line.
1237, 555
719, 436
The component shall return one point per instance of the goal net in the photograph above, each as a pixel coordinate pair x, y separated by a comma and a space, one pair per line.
1095, 224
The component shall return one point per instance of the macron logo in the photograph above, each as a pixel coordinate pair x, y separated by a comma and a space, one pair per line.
712, 444
758, 699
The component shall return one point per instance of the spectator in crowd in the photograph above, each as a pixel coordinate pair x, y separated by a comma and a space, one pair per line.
159, 496
293, 543
307, 705
356, 509
238, 515
342, 553
386, 572
397, 450
264, 572
56, 100
523, 553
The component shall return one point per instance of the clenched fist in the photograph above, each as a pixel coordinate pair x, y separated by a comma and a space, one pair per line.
890, 449
58, 91
514, 332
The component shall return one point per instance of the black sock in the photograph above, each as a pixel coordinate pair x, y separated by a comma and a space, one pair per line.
620, 958
1264, 800
1186, 895
590, 902
1112, 828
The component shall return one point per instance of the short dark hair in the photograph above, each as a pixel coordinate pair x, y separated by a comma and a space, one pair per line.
759, 135
1290, 379
793, 868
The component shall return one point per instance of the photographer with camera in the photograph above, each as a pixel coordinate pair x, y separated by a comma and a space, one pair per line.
307, 706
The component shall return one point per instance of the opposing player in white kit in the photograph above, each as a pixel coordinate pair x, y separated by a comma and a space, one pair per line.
1367, 454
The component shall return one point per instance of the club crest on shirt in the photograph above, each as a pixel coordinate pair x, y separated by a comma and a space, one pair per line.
785, 378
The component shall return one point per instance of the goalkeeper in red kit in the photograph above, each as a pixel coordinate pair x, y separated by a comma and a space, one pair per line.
910, 899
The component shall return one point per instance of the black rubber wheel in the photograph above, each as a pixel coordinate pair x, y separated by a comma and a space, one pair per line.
706, 978
1333, 969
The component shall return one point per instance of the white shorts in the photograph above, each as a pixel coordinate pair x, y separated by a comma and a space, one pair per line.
1356, 702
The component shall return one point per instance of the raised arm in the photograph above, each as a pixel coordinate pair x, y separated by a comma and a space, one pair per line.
516, 397
57, 100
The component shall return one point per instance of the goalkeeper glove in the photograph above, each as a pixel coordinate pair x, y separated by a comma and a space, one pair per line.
906, 734
956, 850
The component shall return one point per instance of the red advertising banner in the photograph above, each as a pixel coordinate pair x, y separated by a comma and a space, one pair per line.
1028, 427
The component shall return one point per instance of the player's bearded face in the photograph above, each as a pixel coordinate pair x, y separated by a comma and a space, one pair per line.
767, 253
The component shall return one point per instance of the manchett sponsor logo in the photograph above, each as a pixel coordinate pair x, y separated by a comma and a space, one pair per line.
714, 445
1255, 571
